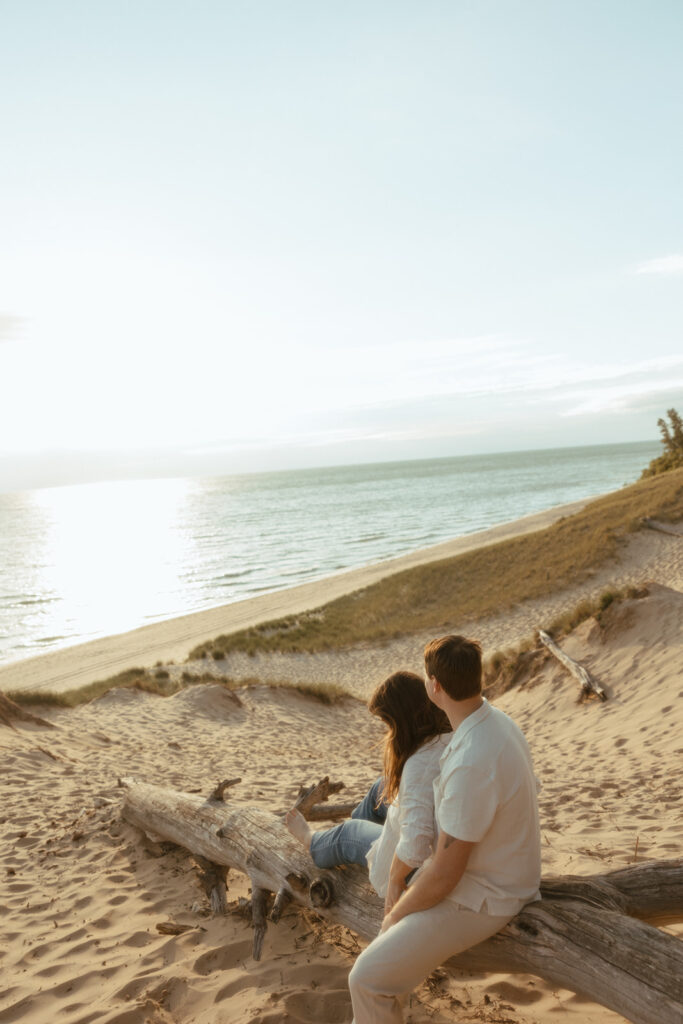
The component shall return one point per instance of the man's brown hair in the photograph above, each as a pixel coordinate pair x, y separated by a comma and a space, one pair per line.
455, 662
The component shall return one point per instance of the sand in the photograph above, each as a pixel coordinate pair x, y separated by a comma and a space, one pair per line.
83, 892
172, 639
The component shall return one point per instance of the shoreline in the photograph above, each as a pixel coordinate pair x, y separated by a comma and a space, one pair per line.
102, 924
172, 639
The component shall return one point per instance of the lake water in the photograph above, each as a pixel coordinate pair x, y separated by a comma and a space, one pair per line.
95, 559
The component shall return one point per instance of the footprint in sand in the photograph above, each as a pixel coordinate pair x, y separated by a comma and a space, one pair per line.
20, 887
115, 901
138, 939
232, 988
49, 972
518, 995
332, 1006
223, 957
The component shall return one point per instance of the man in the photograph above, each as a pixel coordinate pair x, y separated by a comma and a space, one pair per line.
487, 862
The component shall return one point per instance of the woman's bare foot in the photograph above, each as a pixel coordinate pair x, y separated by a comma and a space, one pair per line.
299, 827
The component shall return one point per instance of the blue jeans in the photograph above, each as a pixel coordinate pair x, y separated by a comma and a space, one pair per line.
349, 842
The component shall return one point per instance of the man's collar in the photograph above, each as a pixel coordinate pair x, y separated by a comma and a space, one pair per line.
469, 723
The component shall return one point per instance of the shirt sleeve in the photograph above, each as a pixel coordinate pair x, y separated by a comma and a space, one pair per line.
416, 811
468, 804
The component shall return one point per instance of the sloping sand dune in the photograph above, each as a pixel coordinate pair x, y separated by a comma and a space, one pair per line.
82, 893
172, 639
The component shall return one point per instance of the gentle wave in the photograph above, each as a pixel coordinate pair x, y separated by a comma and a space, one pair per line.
92, 560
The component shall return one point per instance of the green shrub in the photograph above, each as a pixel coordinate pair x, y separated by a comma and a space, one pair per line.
672, 439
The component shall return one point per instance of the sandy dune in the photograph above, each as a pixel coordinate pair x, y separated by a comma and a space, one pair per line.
646, 556
172, 639
83, 893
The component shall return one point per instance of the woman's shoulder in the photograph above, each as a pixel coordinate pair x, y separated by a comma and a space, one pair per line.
432, 749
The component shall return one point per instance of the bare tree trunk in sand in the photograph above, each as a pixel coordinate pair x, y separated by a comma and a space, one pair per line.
661, 527
586, 934
9, 711
588, 684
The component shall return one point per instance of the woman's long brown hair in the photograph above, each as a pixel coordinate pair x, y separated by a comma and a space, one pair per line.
403, 705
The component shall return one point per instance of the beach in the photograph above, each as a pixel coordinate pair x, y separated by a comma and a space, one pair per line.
85, 893
647, 555
172, 639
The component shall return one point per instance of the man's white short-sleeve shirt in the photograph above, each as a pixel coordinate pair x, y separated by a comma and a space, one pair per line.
486, 794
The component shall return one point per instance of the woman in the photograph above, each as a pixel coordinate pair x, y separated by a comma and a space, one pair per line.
392, 828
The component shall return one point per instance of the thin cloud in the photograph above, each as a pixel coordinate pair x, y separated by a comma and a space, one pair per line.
667, 265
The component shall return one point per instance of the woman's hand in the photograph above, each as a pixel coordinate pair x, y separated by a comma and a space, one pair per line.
387, 923
395, 889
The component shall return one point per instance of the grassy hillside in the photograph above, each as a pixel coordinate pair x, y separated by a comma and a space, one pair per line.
160, 684
471, 585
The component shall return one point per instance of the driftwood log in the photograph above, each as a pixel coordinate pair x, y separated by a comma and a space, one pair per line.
653, 524
311, 802
329, 812
222, 787
9, 712
586, 934
589, 687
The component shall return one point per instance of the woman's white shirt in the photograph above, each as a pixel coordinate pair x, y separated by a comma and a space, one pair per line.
410, 825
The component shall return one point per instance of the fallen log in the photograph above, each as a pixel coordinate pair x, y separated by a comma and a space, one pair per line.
9, 711
329, 812
586, 934
307, 802
311, 796
588, 684
213, 879
653, 524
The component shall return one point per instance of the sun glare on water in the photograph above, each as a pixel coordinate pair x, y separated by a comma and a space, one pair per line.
125, 535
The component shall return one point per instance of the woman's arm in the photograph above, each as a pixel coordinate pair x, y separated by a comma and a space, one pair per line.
397, 882
435, 882
416, 808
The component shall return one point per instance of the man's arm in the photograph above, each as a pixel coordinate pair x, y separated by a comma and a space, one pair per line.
435, 881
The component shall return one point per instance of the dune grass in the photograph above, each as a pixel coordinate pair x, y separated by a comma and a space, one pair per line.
324, 693
472, 585
131, 679
162, 685
501, 666
81, 695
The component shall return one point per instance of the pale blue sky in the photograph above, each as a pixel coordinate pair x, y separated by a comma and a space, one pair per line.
270, 234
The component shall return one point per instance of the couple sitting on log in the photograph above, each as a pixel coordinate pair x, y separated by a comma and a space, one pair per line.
450, 833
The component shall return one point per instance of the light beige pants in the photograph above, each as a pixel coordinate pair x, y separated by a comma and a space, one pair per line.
398, 960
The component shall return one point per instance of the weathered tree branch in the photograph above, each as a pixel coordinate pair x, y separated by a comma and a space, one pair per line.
308, 798
9, 711
588, 684
653, 524
259, 909
219, 791
213, 879
329, 812
283, 898
583, 934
